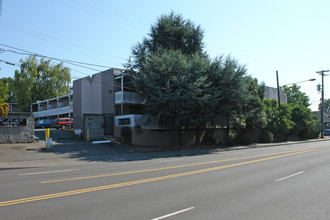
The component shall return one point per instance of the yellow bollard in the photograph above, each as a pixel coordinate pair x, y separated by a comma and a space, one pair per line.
47, 138
47, 133
87, 134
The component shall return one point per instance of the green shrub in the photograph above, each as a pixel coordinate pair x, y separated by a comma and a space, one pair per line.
126, 133
231, 139
266, 136
314, 129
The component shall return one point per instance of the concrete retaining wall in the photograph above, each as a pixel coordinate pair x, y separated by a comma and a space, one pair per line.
17, 128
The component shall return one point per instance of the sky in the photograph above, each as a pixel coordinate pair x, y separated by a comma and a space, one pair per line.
288, 36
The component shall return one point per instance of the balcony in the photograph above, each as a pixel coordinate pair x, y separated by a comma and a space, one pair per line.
54, 111
129, 98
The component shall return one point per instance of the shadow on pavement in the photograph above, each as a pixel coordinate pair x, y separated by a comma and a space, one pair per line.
112, 152
57, 135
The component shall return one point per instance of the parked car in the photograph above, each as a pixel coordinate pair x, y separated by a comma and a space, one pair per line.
44, 123
62, 123
327, 132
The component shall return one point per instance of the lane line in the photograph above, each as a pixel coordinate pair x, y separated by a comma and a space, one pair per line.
287, 177
46, 172
171, 167
173, 213
130, 183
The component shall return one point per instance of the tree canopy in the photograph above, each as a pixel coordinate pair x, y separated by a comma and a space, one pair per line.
183, 87
39, 80
10, 92
170, 32
295, 96
326, 105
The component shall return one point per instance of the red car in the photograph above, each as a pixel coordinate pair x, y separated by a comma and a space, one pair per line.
62, 123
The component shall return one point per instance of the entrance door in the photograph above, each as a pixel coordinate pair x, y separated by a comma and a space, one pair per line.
108, 124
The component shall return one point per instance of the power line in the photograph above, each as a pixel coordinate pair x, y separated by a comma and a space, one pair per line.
9, 63
72, 62
57, 39
95, 14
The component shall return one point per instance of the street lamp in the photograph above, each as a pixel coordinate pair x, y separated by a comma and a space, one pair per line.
299, 82
278, 87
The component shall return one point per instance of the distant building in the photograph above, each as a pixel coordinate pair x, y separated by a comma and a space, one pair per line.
13, 107
271, 93
326, 117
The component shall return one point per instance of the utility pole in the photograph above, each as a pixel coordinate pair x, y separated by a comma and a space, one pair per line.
278, 90
322, 102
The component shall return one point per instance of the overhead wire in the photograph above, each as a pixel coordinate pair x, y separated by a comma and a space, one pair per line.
96, 14
72, 62
25, 52
107, 11
58, 39
54, 43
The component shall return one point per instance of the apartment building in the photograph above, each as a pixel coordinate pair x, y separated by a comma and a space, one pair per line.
53, 108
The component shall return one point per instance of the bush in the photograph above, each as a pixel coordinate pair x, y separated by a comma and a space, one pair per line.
314, 129
126, 133
266, 136
231, 139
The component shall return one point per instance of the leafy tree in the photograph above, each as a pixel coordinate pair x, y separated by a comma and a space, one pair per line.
10, 93
279, 119
4, 108
40, 80
326, 105
295, 96
305, 125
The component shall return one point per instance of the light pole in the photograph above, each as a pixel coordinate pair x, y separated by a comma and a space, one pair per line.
299, 82
278, 87
322, 102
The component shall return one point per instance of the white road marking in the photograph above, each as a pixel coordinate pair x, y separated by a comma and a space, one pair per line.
55, 171
172, 214
295, 174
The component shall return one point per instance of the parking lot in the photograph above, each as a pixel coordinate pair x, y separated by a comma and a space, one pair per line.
56, 134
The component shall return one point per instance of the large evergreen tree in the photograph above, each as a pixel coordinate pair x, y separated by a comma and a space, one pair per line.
169, 68
182, 86
170, 32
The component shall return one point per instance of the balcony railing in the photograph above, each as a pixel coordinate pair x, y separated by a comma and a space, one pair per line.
129, 97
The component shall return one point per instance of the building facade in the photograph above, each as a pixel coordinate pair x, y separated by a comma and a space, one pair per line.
53, 108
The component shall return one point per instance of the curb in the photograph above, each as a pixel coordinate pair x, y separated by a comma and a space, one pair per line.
225, 148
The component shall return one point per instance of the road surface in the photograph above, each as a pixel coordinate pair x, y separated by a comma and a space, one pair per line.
281, 182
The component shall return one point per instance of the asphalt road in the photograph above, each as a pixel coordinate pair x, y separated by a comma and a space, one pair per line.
282, 182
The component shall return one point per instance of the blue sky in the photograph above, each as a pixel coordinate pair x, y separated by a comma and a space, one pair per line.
285, 35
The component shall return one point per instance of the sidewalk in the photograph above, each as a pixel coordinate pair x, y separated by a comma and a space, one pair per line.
24, 155
27, 155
